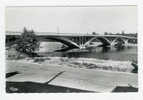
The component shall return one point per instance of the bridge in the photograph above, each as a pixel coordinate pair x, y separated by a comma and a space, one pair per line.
80, 41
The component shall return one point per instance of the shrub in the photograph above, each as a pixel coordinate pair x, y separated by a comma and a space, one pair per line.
39, 60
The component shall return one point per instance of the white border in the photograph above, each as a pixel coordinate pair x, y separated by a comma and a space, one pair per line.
70, 96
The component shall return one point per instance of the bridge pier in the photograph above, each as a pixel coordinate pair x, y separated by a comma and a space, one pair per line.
126, 42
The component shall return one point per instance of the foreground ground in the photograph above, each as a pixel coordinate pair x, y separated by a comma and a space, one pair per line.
54, 76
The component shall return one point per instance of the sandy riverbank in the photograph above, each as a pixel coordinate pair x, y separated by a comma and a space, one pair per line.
85, 63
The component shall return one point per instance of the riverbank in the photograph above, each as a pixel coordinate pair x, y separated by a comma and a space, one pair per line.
84, 63
76, 62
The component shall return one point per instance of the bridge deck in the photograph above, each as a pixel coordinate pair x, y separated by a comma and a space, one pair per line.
46, 34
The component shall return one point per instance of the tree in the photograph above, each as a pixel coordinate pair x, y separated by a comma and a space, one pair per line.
27, 43
94, 33
105, 33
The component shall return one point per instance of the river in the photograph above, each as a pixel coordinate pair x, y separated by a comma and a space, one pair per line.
125, 54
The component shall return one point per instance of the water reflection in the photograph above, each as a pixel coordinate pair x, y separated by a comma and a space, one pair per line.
89, 52
115, 53
122, 54
105, 49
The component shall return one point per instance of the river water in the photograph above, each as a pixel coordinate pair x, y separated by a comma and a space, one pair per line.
125, 54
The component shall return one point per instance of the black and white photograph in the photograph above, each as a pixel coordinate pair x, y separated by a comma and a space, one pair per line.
71, 49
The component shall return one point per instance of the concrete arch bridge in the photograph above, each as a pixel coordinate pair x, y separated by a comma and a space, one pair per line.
84, 41
80, 41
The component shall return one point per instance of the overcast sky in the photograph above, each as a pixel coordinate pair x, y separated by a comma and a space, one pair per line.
98, 19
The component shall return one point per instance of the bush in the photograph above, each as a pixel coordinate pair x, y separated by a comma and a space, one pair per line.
39, 60
12, 54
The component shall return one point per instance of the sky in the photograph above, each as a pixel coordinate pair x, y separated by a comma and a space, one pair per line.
97, 19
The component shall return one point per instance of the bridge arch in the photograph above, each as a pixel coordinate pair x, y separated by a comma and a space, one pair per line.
103, 40
63, 40
124, 41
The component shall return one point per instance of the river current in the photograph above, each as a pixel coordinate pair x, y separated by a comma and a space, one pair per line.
109, 53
